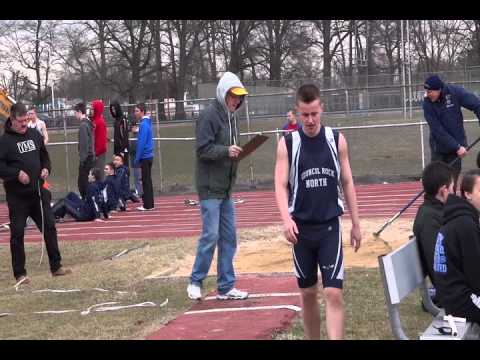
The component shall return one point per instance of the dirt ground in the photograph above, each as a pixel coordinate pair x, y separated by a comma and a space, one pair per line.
266, 250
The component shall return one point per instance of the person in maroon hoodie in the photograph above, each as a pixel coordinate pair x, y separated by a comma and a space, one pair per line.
100, 130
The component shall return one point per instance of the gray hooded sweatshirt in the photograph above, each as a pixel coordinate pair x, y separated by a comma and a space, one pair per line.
86, 141
216, 131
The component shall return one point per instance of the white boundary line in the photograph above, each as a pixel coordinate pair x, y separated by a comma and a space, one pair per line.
260, 295
271, 307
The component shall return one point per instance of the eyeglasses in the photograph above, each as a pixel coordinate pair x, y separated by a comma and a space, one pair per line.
444, 330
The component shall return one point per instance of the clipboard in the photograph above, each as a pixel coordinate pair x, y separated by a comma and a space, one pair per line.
251, 146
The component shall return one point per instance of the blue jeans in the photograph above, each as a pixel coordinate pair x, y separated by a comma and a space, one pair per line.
218, 217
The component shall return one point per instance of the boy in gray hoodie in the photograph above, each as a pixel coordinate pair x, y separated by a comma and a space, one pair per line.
216, 169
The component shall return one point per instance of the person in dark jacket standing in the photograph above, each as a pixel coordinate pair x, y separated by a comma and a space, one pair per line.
100, 132
86, 148
24, 167
442, 108
120, 131
457, 252
144, 156
216, 168
437, 180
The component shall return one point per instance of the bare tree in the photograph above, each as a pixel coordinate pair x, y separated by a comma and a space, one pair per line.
75, 51
31, 44
16, 83
131, 41
276, 41
183, 38
332, 34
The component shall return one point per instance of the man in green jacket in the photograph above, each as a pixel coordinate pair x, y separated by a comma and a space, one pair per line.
438, 181
217, 150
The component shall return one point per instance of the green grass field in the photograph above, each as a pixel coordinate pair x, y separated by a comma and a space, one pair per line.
366, 313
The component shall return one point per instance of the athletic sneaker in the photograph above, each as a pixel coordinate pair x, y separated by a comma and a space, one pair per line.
233, 294
194, 292
141, 208
24, 279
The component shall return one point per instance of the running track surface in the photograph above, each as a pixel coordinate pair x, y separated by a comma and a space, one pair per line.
172, 218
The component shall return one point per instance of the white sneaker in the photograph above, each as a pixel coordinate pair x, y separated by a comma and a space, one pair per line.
194, 292
141, 208
233, 294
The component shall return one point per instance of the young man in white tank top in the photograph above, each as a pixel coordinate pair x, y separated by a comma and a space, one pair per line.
35, 123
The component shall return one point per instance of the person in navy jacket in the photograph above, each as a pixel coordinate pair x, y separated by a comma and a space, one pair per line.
122, 182
442, 108
111, 187
89, 209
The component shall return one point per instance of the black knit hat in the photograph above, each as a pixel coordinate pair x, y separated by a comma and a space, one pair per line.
433, 82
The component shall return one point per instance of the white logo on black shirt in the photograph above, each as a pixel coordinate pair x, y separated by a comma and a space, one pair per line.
26, 146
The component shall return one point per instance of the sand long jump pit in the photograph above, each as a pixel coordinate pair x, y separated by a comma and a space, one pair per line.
265, 250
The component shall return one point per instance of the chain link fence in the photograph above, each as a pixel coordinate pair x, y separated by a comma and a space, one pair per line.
383, 125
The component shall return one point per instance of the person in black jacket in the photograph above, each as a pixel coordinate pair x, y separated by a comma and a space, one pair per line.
24, 167
437, 181
88, 209
120, 131
456, 263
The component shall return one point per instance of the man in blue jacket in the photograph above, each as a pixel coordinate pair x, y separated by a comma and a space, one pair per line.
144, 155
442, 110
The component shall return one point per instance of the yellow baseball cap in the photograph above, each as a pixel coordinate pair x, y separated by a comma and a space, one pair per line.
239, 91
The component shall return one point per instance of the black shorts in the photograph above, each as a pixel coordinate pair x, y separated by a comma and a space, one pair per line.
319, 245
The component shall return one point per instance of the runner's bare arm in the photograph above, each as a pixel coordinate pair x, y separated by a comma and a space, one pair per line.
349, 191
281, 192
45, 134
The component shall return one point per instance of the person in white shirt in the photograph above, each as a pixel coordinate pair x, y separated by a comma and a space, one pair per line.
35, 122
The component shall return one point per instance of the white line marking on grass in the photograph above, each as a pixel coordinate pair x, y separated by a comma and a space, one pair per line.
54, 311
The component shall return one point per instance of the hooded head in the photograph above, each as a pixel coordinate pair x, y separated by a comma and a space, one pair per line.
116, 109
97, 106
230, 82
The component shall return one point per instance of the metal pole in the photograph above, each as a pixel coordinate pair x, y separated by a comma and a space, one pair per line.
67, 162
248, 130
410, 95
53, 97
347, 102
158, 147
409, 72
403, 74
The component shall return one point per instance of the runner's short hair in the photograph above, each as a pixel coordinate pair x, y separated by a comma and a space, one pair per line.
308, 93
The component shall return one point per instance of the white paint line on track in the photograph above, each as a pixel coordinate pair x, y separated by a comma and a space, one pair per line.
250, 296
271, 307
